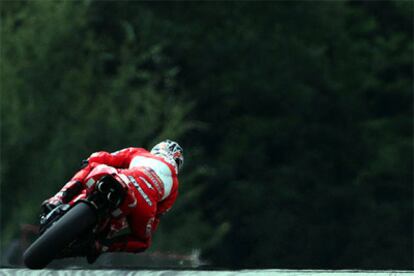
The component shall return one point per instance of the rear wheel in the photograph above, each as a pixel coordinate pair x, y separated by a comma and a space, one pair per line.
76, 221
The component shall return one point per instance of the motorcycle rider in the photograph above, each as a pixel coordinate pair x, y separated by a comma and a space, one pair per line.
154, 178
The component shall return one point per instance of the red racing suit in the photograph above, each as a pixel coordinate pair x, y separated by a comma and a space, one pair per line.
153, 189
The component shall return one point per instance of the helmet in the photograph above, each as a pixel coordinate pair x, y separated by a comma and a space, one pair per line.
170, 150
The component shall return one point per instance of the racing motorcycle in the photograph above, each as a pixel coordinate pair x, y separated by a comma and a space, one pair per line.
71, 229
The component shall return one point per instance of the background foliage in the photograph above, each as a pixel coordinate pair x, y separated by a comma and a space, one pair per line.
296, 118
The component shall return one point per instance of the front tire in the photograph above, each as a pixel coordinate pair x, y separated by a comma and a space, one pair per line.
76, 221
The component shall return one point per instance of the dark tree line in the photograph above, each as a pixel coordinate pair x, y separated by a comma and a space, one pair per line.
296, 119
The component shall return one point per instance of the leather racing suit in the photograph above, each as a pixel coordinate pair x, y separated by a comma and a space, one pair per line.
155, 183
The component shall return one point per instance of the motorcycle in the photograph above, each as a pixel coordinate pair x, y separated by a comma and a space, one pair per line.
71, 229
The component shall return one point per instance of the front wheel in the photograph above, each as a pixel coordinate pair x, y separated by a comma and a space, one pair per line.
70, 226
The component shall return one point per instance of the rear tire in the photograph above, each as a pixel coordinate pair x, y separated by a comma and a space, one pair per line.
76, 221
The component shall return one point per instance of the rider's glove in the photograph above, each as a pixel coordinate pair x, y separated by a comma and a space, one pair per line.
48, 205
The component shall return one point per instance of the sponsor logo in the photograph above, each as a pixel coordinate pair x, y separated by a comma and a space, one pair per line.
154, 179
140, 190
146, 183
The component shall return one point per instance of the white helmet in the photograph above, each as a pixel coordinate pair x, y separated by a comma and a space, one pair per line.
170, 150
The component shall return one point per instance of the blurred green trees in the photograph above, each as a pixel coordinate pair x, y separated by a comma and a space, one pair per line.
296, 119
68, 91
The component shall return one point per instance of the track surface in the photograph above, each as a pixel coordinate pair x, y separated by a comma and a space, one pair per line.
275, 272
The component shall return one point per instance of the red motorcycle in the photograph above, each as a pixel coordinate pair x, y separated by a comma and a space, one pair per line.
72, 229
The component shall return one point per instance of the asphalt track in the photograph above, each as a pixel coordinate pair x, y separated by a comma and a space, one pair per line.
274, 272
